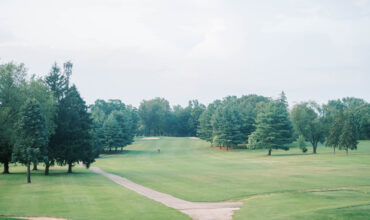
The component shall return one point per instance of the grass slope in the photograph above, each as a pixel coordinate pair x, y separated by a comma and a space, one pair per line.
81, 195
191, 170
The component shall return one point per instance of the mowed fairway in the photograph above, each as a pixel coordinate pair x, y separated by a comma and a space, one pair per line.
286, 185
81, 195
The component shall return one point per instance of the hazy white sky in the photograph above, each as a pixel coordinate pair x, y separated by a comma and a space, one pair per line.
195, 49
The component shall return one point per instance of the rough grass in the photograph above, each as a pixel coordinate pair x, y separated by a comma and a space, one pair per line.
290, 182
81, 195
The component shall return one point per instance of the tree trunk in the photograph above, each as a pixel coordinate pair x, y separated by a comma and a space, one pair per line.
6, 167
334, 150
314, 148
227, 148
115, 149
29, 172
47, 165
347, 151
269, 153
34, 166
69, 167
121, 148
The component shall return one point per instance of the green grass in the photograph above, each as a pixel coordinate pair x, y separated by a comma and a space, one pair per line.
286, 185
81, 195
191, 170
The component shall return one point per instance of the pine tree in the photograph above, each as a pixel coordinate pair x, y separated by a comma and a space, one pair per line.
335, 131
33, 135
113, 132
73, 133
226, 126
348, 138
58, 83
205, 129
273, 128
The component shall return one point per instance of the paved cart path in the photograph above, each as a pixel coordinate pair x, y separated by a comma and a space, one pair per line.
196, 210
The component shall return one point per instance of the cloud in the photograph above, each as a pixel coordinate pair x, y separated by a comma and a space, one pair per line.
190, 49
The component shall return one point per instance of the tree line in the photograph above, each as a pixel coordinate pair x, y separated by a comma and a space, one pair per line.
45, 120
257, 122
261, 122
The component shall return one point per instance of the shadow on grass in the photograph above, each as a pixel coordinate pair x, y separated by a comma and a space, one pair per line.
293, 154
40, 172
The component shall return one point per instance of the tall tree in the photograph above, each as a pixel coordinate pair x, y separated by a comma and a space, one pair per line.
12, 97
335, 131
58, 83
39, 90
33, 135
308, 121
348, 138
273, 128
73, 133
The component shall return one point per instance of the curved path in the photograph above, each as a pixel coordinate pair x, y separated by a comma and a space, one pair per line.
196, 210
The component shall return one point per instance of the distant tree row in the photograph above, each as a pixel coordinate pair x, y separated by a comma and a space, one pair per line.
43, 120
261, 122
255, 120
115, 124
157, 118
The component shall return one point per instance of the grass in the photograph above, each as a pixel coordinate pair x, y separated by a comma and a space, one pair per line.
191, 170
81, 195
286, 185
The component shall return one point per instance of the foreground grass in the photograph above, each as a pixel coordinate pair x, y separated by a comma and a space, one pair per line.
81, 195
191, 170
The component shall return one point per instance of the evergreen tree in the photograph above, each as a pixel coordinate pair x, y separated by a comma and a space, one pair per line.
205, 129
39, 90
226, 127
33, 135
273, 128
348, 138
73, 133
115, 124
248, 107
335, 131
58, 83
113, 132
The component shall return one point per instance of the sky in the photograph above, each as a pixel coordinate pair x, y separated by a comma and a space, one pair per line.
195, 49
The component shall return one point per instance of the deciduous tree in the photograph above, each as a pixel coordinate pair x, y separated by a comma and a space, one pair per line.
307, 120
348, 138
